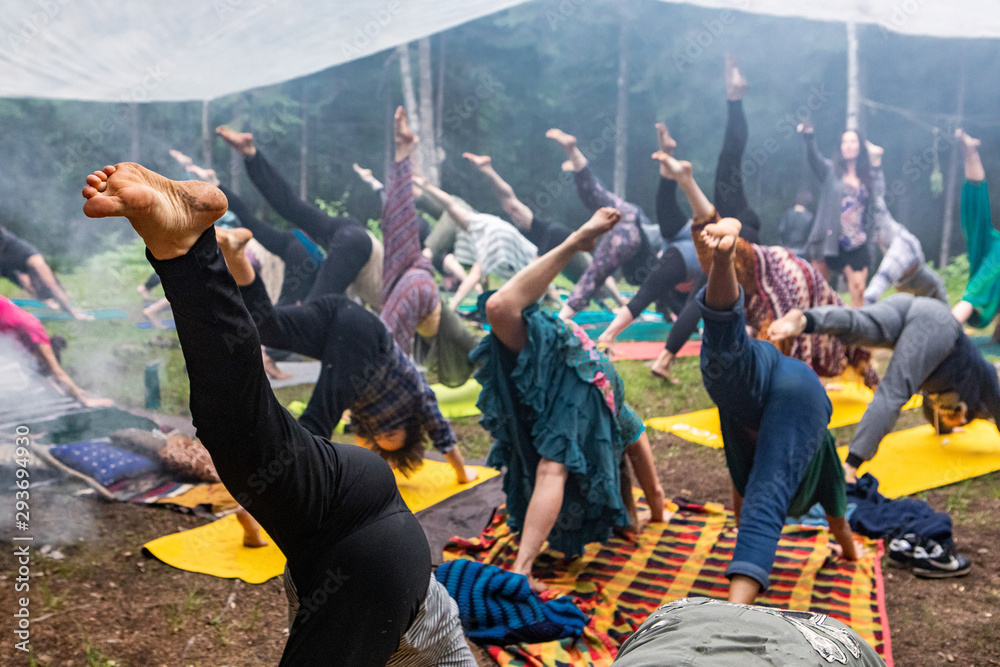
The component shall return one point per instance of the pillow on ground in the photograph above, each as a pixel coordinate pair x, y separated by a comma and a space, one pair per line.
102, 462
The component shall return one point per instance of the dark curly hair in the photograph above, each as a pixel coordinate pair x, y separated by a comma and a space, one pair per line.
410, 456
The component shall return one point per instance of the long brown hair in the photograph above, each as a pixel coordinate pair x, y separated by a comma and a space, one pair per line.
862, 165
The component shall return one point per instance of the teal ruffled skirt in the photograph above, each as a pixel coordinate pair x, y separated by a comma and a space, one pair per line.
563, 400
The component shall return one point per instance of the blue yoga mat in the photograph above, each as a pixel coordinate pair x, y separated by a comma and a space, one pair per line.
97, 314
167, 324
986, 345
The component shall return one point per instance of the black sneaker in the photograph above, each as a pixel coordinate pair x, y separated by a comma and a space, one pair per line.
901, 550
935, 562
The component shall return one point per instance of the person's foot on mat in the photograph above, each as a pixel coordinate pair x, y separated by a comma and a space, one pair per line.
251, 530
153, 316
168, 215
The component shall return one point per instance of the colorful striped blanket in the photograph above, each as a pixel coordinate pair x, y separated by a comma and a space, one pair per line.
618, 583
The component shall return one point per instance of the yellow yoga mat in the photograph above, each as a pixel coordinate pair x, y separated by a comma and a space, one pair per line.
458, 401
849, 399
217, 549
434, 482
918, 459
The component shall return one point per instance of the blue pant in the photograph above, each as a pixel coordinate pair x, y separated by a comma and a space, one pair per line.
774, 413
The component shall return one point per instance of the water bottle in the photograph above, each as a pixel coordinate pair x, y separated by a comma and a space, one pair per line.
153, 385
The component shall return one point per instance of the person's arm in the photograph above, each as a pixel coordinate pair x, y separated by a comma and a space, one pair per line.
819, 164
47, 356
875, 325
640, 454
519, 213
41, 269
472, 279
443, 437
845, 537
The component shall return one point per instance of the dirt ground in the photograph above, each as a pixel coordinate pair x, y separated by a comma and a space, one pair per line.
104, 603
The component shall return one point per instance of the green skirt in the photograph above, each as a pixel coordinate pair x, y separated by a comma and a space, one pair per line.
563, 400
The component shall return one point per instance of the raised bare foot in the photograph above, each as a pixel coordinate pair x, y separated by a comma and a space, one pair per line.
202, 174
168, 215
969, 144
671, 167
721, 236
184, 160
405, 141
603, 220
480, 161
736, 85
567, 141
667, 143
232, 242
242, 142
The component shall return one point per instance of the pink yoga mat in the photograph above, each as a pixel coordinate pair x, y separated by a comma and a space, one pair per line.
645, 350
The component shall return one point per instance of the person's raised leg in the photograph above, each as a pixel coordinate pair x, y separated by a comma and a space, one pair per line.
856, 285
576, 159
518, 211
527, 286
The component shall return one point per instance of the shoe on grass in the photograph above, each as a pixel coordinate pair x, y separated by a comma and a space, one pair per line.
932, 561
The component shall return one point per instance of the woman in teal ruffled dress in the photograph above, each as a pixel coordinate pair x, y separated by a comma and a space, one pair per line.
981, 298
555, 405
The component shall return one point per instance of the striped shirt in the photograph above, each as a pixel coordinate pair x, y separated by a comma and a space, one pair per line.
500, 249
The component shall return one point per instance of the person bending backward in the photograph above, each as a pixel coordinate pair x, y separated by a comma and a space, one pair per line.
29, 332
500, 249
981, 299
22, 264
626, 246
357, 252
544, 233
673, 276
677, 276
931, 354
903, 264
555, 406
774, 413
334, 510
845, 212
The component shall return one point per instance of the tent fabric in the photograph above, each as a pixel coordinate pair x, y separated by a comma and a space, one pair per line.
200, 50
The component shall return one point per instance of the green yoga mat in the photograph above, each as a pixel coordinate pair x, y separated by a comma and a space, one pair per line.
458, 401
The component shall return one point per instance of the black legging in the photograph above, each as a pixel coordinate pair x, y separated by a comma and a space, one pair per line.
668, 271
347, 243
351, 343
300, 267
357, 555
687, 321
152, 281
669, 216
730, 196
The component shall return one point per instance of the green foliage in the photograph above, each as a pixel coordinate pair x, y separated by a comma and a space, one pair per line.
956, 276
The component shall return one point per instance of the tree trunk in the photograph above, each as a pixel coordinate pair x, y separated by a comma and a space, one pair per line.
853, 89
206, 137
621, 123
409, 96
439, 111
956, 157
427, 147
235, 159
304, 144
134, 108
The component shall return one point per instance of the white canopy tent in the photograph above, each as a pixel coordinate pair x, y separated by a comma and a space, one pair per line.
203, 49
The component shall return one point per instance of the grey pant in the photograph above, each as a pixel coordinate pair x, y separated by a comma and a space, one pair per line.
921, 331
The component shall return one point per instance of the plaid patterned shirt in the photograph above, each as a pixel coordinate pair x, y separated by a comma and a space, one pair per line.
393, 395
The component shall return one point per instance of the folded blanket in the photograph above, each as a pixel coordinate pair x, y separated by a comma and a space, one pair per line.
499, 607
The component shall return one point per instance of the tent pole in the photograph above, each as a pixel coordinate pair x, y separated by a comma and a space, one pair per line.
853, 89
956, 157
621, 122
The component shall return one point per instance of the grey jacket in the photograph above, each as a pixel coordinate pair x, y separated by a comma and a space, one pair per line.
824, 240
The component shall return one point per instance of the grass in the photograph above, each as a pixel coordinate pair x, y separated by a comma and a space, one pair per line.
177, 614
